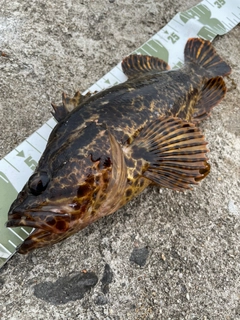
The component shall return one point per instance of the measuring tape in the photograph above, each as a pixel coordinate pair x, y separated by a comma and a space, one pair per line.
206, 20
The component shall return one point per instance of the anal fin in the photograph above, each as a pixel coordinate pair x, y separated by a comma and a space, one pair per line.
137, 64
212, 93
173, 151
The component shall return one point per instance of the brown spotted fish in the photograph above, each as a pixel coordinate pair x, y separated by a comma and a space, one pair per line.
108, 147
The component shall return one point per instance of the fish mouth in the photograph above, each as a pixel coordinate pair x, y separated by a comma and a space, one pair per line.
50, 220
39, 238
50, 227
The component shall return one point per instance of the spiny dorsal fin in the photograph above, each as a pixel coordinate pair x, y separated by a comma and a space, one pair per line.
136, 64
71, 103
68, 104
212, 93
174, 153
203, 53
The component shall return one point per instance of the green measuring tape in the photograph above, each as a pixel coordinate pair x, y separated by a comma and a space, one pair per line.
206, 20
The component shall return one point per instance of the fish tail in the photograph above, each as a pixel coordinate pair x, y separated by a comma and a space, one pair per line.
202, 53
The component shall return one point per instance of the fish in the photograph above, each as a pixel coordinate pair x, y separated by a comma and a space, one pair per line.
107, 147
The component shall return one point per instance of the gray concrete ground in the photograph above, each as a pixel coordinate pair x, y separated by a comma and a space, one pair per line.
165, 255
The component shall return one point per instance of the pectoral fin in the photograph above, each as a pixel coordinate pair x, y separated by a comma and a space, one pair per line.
173, 151
117, 185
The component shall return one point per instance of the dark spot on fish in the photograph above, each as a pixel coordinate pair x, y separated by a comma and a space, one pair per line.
61, 225
93, 213
97, 206
136, 182
107, 162
141, 183
129, 181
90, 179
83, 190
83, 209
128, 192
139, 163
105, 177
129, 162
50, 221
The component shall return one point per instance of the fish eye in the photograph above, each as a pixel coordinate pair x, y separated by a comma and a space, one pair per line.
38, 182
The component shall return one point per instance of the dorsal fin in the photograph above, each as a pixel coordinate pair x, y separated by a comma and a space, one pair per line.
68, 104
136, 64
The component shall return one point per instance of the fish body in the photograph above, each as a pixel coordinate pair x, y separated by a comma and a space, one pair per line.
108, 147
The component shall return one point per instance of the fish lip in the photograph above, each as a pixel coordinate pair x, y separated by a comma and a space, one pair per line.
22, 222
43, 233
19, 220
38, 218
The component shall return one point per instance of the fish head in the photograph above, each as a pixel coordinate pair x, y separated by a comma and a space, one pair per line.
59, 203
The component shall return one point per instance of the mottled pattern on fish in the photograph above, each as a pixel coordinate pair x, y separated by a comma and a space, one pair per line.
110, 146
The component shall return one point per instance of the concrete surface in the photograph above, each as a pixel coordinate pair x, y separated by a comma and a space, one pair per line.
188, 262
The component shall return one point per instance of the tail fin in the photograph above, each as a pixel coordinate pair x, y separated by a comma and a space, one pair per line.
202, 52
